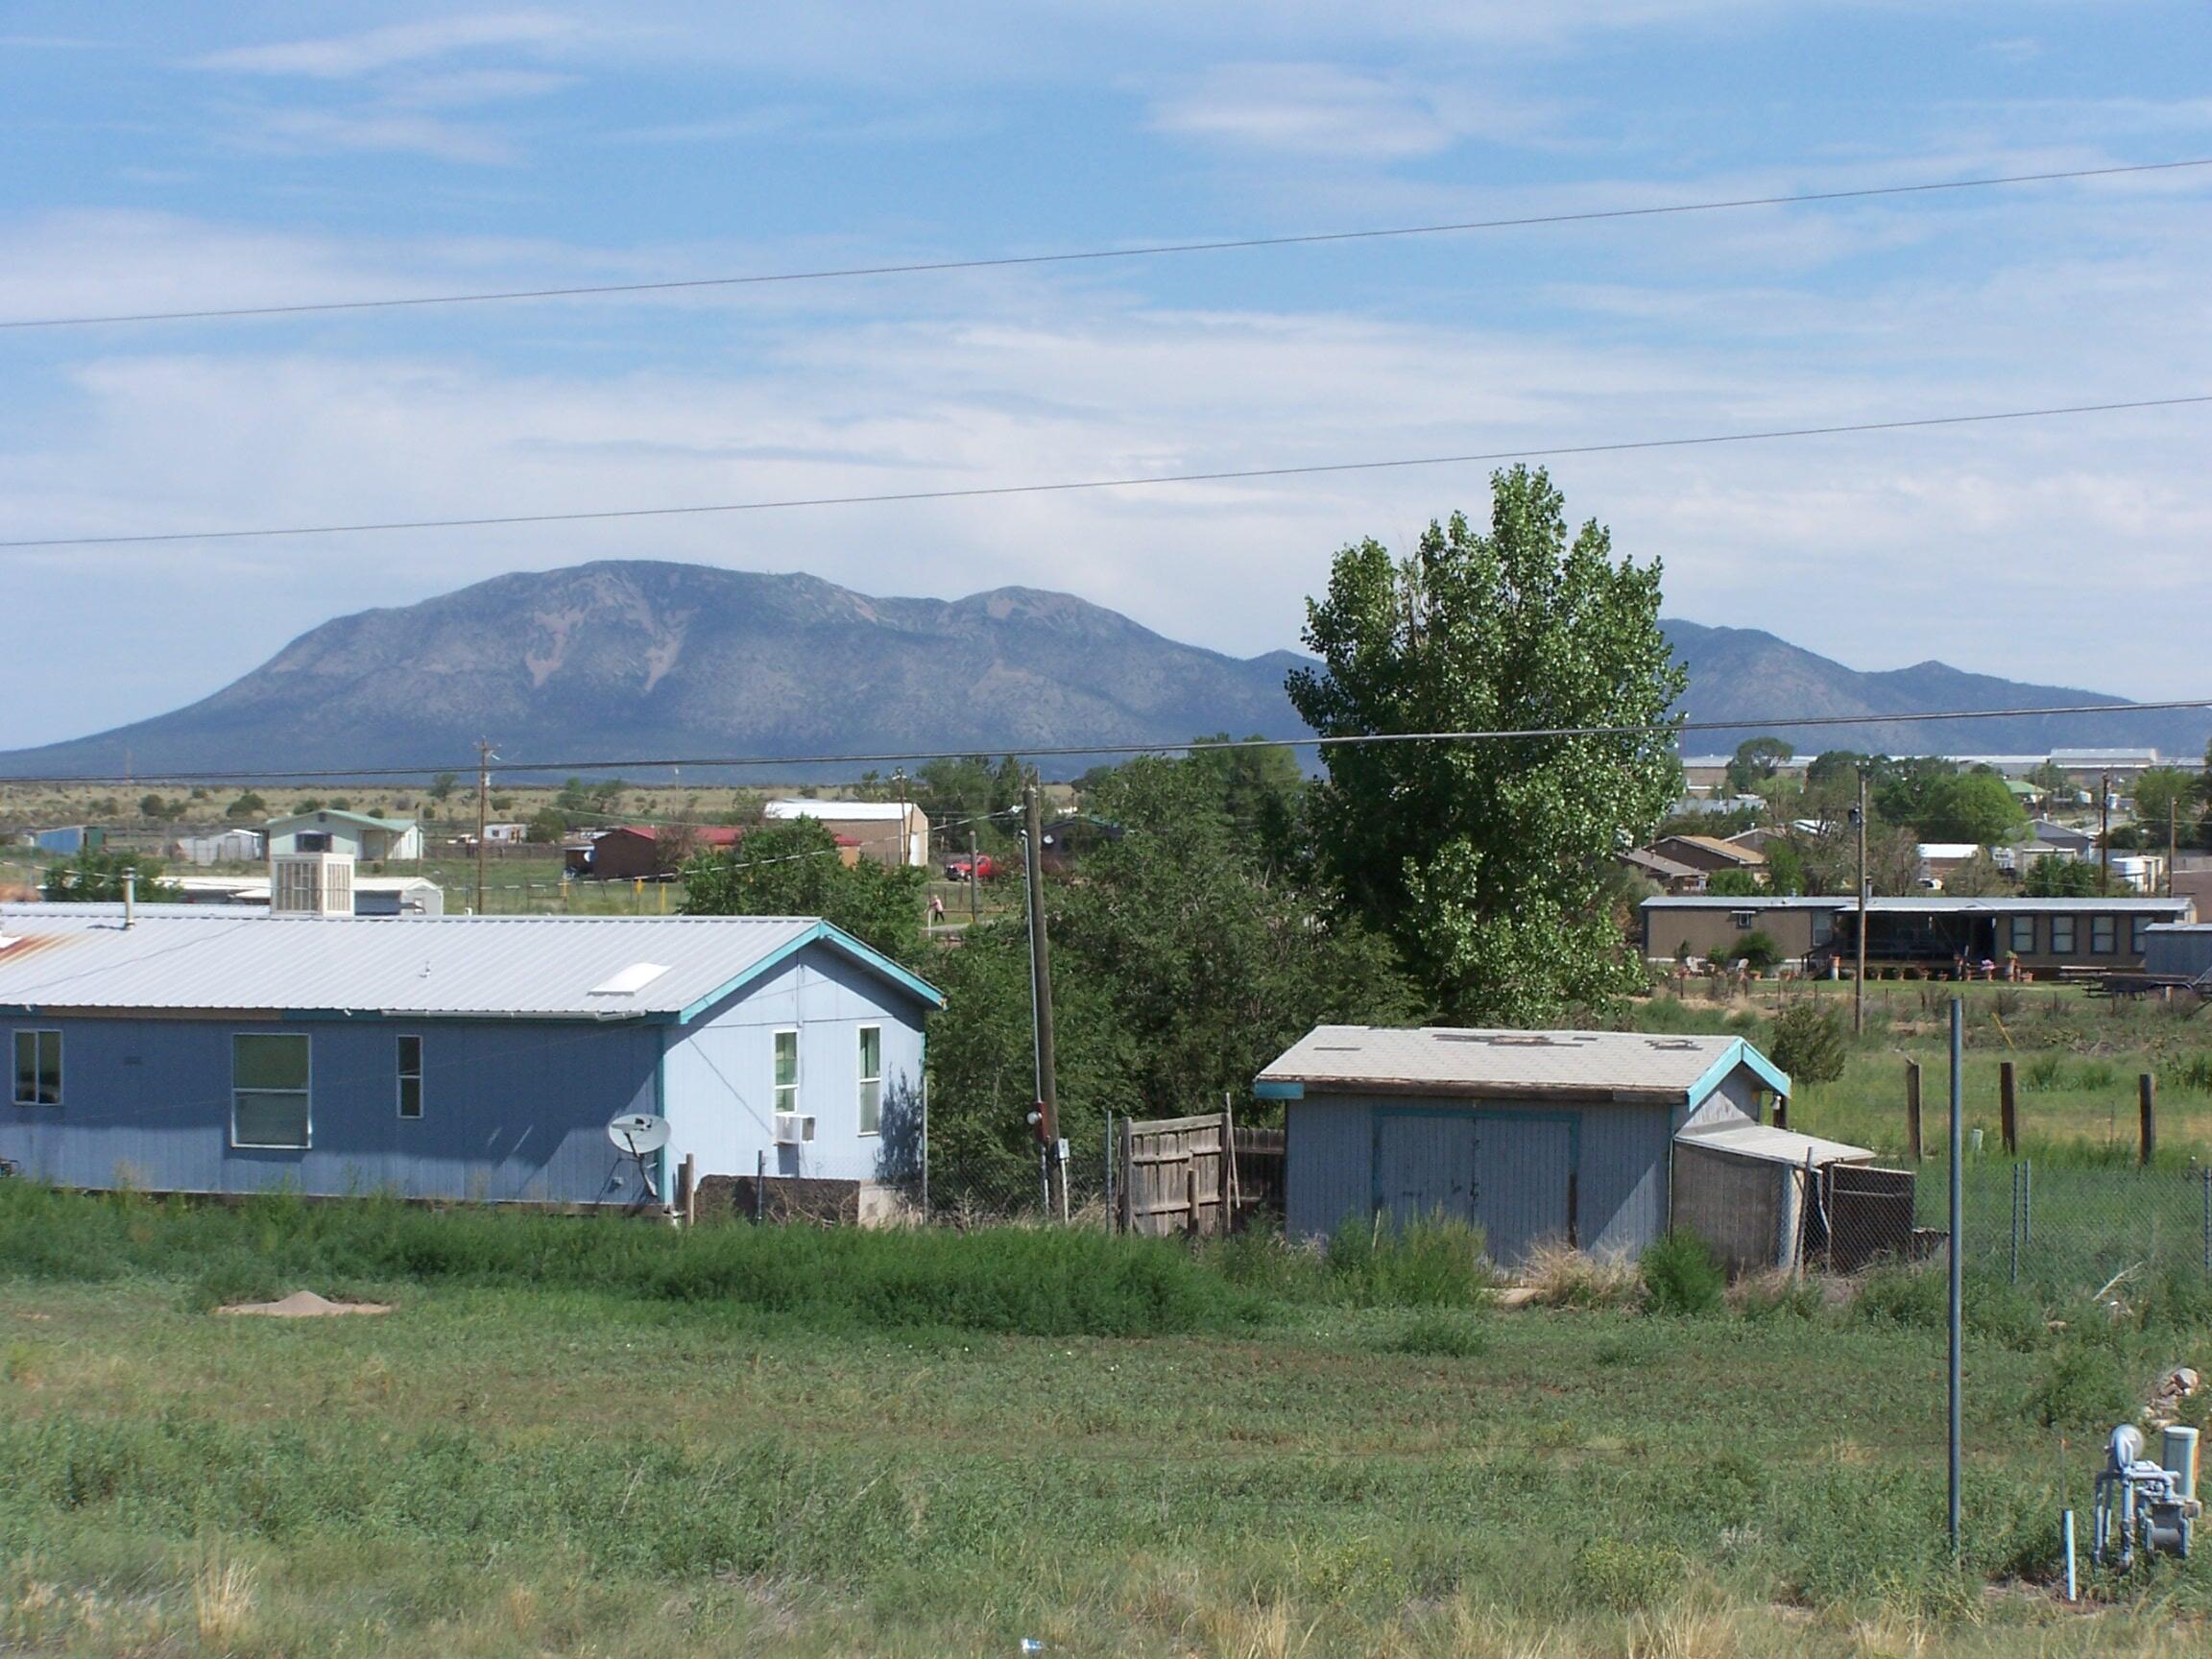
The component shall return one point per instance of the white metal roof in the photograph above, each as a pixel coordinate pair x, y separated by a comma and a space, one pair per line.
1442, 1059
849, 811
1772, 1146
69, 956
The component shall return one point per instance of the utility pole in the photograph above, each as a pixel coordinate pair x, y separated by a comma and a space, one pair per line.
2105, 833
1041, 988
2172, 837
483, 807
974, 897
1859, 977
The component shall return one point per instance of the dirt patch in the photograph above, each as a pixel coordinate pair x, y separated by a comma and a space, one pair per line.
304, 1305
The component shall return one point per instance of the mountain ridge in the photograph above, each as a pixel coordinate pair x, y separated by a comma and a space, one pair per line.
636, 659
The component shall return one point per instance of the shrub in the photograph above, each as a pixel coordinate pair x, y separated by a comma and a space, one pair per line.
1681, 1275
1809, 1043
1440, 1336
1758, 951
2083, 1386
1627, 1577
1564, 1276
1436, 1262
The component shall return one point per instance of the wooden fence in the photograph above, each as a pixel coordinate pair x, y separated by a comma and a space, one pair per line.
1178, 1175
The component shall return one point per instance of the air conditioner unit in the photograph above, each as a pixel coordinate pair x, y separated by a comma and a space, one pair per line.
793, 1128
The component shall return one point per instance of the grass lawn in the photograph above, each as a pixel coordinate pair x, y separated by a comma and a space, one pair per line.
515, 1463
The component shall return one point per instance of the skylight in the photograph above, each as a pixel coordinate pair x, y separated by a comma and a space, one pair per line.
629, 981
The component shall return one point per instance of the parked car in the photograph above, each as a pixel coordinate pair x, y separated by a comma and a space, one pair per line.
982, 868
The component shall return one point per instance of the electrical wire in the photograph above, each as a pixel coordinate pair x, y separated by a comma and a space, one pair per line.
1073, 486
1140, 746
1145, 250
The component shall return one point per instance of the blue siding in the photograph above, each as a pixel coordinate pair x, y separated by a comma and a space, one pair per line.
1502, 1165
511, 1110
514, 1110
721, 1074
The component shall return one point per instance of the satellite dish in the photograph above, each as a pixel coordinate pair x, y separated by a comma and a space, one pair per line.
639, 1133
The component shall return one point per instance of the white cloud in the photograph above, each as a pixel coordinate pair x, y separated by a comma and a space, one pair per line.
347, 57
390, 131
1319, 109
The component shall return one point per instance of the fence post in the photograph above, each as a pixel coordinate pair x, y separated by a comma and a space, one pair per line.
1128, 1177
2207, 1175
2146, 1093
1912, 1110
2015, 1231
1113, 1218
2027, 1202
2008, 1107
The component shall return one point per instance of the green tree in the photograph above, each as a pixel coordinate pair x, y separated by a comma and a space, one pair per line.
794, 869
1732, 884
247, 806
1755, 762
1977, 877
95, 876
443, 785
2051, 876
1905, 791
546, 826
2164, 790
1787, 874
1483, 860
1260, 790
1971, 807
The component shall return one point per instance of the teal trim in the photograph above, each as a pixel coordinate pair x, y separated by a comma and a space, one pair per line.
822, 933
1739, 1053
660, 1186
1265, 1091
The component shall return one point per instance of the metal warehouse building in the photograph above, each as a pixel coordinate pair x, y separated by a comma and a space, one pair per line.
199, 1050
1534, 1136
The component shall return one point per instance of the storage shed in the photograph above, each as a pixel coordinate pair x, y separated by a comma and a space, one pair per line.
203, 1050
1534, 1136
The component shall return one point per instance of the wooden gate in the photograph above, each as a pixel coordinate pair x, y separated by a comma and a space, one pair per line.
1178, 1175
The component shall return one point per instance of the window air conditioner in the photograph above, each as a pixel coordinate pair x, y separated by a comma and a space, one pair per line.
793, 1128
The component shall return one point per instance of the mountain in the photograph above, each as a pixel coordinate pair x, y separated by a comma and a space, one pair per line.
634, 661
1742, 674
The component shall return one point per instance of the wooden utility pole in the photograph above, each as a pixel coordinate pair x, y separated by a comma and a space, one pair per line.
1041, 988
483, 807
2009, 1106
974, 874
1912, 1142
2172, 837
1859, 978
2147, 1101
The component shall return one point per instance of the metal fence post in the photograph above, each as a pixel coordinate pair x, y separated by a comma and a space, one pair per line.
2027, 1203
1110, 1212
2207, 1178
2014, 1234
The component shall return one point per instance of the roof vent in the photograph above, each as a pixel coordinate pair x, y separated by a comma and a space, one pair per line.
1674, 1042
629, 981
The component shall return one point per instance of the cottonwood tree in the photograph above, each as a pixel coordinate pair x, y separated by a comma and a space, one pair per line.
1483, 860
795, 869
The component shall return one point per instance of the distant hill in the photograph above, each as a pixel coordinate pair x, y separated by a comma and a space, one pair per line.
631, 659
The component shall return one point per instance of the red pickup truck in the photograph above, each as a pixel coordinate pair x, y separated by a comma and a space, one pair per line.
982, 868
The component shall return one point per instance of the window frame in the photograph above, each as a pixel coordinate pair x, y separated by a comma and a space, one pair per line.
404, 1075
306, 1093
779, 1091
868, 1109
36, 1034
2065, 922
2137, 934
2104, 935
2021, 925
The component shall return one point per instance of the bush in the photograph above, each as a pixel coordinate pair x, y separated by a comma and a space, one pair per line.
1809, 1044
1681, 1275
1437, 1262
1625, 1576
1759, 951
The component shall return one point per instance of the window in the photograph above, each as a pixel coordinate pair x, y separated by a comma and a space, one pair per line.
410, 1076
269, 1091
2023, 935
786, 1070
2104, 935
37, 1067
2136, 936
1746, 920
871, 1079
2061, 935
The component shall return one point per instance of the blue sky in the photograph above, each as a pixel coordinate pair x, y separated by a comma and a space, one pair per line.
161, 156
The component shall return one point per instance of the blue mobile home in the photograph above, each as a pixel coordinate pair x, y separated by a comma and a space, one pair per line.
1536, 1137
198, 1050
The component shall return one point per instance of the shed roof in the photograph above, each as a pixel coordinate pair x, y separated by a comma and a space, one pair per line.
1772, 1146
1718, 848
211, 960
1666, 868
324, 814
1622, 1066
1936, 904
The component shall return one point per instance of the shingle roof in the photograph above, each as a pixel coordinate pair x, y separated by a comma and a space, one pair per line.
1622, 1065
182, 958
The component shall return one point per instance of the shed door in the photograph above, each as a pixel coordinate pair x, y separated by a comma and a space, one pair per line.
1524, 1183
1425, 1165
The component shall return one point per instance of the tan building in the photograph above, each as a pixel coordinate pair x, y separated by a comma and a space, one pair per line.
1711, 853
2040, 935
888, 831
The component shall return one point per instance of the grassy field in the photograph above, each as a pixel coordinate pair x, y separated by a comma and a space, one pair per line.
581, 1438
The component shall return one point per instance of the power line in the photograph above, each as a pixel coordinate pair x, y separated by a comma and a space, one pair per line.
1073, 486
1145, 251
1070, 751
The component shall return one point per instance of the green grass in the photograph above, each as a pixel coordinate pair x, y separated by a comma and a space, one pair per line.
525, 1457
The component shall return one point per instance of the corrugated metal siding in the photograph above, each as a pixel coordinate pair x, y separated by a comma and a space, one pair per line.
1328, 1165
510, 1111
1343, 1152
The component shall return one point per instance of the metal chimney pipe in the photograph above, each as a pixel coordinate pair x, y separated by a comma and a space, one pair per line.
129, 895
